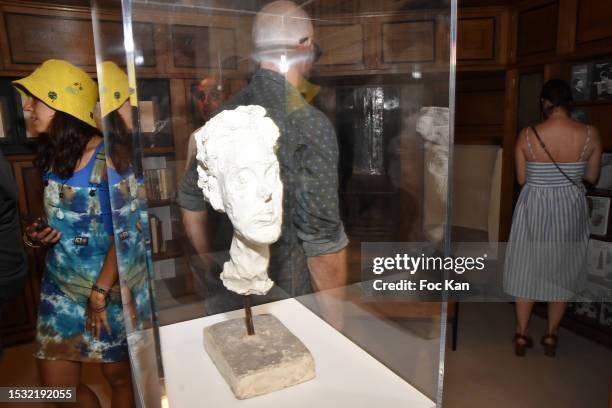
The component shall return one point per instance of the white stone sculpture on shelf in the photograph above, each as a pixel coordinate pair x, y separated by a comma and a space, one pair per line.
433, 126
239, 174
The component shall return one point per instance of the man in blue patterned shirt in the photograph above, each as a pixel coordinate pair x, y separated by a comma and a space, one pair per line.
310, 253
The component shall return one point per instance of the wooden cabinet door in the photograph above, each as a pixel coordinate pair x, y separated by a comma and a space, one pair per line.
483, 37
342, 44
35, 35
410, 43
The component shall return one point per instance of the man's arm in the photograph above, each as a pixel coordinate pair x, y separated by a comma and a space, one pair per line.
193, 209
328, 271
195, 224
317, 213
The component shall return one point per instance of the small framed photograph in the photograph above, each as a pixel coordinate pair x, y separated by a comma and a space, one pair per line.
599, 258
598, 222
580, 83
147, 116
154, 112
601, 83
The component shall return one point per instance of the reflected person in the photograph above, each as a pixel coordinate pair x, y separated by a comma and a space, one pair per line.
210, 94
116, 103
310, 253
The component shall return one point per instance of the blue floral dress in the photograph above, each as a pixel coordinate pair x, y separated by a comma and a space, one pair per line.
79, 208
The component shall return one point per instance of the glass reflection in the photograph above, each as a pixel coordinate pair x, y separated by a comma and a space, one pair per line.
117, 100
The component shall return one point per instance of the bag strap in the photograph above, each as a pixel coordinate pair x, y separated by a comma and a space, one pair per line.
551, 158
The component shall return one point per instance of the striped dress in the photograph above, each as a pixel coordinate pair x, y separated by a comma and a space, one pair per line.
546, 253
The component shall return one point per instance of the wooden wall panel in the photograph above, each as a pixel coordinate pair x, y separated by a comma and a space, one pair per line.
203, 47
537, 30
341, 44
476, 39
594, 21
599, 115
408, 41
479, 117
144, 40
32, 39
144, 34
566, 31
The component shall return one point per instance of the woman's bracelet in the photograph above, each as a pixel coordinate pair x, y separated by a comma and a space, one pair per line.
101, 289
28, 241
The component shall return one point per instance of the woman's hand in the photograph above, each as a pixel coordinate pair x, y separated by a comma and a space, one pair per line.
129, 308
96, 315
47, 236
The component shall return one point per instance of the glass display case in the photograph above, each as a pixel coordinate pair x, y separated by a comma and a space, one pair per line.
357, 102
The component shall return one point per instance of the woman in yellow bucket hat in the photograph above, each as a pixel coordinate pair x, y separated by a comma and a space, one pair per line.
80, 316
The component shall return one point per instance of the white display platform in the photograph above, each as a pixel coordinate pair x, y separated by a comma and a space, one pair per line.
347, 376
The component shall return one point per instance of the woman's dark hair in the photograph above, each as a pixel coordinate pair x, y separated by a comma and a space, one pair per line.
558, 93
119, 139
62, 145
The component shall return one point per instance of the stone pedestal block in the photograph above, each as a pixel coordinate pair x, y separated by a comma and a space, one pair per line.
268, 361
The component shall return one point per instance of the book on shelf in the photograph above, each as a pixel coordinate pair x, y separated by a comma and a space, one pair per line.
158, 244
160, 184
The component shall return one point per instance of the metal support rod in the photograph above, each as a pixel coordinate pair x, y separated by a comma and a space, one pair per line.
249, 316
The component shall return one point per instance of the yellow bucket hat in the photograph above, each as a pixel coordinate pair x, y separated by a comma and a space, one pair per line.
114, 88
63, 87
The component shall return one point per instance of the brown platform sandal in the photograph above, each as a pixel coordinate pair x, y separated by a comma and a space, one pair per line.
521, 342
549, 342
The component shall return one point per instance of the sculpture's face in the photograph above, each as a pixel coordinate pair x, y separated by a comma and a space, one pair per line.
251, 189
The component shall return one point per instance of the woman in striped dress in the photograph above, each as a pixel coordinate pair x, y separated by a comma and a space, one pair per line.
546, 253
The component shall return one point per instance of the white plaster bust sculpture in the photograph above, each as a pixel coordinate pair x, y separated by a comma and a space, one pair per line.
239, 175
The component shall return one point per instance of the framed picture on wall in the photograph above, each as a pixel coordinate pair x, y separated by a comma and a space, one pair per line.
581, 82
601, 84
154, 112
599, 258
598, 221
